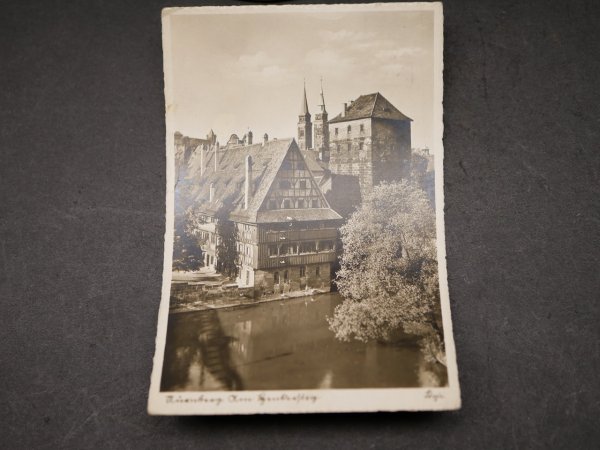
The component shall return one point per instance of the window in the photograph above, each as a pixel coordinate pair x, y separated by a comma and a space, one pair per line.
335, 131
301, 204
302, 271
276, 278
272, 250
301, 133
362, 127
285, 276
247, 277
318, 271
349, 129
360, 145
315, 203
349, 147
308, 247
284, 184
286, 204
288, 249
302, 184
326, 246
272, 204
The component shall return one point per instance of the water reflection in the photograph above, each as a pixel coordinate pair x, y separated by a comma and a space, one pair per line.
198, 355
283, 345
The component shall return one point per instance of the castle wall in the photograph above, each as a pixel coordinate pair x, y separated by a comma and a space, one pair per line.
373, 150
351, 151
391, 150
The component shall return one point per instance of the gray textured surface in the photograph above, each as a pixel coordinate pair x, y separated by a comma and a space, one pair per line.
81, 226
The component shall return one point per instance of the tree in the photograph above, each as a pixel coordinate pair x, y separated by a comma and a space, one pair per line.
187, 254
226, 235
227, 254
388, 273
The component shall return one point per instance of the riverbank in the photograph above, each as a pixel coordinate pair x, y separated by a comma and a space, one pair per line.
204, 290
230, 303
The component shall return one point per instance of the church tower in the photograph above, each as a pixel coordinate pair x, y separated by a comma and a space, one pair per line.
322, 130
304, 125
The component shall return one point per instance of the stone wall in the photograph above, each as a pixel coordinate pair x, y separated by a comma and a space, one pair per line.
391, 150
351, 150
265, 279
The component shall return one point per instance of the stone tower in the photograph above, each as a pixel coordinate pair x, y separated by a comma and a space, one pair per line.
322, 130
370, 140
304, 125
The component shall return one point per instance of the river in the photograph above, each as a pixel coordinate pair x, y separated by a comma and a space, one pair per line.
283, 344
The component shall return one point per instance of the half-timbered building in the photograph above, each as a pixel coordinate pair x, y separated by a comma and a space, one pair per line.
285, 231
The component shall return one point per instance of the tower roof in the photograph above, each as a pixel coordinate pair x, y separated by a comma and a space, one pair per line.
371, 105
322, 105
304, 107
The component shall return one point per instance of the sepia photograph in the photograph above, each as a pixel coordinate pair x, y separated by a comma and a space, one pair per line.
304, 246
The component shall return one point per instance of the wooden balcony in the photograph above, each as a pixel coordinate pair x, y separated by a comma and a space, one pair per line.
271, 262
297, 235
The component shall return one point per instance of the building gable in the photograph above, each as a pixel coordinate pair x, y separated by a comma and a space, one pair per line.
375, 106
294, 186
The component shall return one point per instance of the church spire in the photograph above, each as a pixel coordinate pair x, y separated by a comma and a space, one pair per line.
322, 105
304, 107
304, 125
321, 134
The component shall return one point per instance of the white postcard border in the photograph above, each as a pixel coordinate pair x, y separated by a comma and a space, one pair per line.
317, 400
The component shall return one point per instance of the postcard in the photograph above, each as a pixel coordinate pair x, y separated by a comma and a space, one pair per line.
305, 260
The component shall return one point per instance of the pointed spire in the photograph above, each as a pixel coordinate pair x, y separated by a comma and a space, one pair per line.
304, 107
322, 105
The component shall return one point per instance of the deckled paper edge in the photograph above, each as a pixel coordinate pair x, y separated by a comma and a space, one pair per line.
319, 400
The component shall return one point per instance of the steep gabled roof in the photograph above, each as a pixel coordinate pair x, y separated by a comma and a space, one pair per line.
371, 105
228, 180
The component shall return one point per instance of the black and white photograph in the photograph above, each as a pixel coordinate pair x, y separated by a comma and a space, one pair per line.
304, 252
237, 225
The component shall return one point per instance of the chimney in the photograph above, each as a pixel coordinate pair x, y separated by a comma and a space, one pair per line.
216, 156
344, 109
265, 138
202, 159
248, 182
249, 137
211, 192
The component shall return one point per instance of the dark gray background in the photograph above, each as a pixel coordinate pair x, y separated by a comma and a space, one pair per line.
82, 186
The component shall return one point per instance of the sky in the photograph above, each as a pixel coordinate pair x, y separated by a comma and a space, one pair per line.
238, 72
